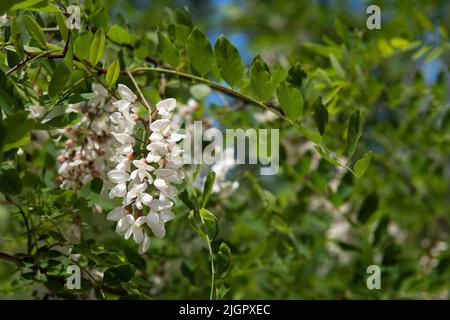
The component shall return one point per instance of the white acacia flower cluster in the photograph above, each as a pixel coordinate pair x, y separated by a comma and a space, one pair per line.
146, 184
87, 148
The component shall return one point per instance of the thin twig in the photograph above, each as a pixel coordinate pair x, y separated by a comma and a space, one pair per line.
221, 88
25, 219
143, 100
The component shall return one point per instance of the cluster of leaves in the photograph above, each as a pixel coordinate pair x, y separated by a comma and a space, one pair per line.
346, 89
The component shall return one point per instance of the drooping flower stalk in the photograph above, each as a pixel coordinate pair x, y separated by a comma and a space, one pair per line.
146, 185
87, 148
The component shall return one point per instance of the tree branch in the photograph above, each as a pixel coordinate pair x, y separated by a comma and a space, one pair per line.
218, 87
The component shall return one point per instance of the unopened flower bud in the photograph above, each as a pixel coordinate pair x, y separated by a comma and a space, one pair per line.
70, 143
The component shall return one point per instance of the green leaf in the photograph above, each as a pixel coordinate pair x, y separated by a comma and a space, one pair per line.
26, 4
434, 54
200, 91
381, 230
185, 198
59, 80
82, 45
60, 121
290, 99
179, 33
362, 164
115, 276
183, 16
195, 226
296, 75
119, 35
337, 66
324, 153
35, 31
369, 206
209, 183
23, 141
61, 21
2, 136
96, 185
97, 47
320, 115
229, 61
167, 50
260, 81
200, 52
16, 37
353, 132
222, 290
14, 131
80, 97
113, 73
10, 182
210, 222
223, 260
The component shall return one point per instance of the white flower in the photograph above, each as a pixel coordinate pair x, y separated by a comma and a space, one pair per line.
116, 214
142, 170
164, 152
168, 175
126, 93
128, 98
125, 149
161, 204
123, 138
138, 194
124, 164
37, 111
119, 177
161, 126
156, 222
144, 245
119, 191
3, 20
166, 107
128, 226
266, 116
157, 149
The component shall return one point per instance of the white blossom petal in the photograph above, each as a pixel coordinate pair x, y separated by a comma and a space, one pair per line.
118, 176
119, 191
116, 214
144, 245
156, 225
167, 216
138, 234
126, 93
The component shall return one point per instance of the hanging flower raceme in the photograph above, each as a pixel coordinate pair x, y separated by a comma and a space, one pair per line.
86, 154
145, 185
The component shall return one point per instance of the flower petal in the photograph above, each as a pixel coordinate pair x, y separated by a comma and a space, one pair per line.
128, 233
126, 93
119, 191
159, 125
167, 216
144, 245
138, 234
116, 214
166, 105
123, 224
146, 199
157, 226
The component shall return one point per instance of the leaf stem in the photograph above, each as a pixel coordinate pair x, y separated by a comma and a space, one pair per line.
144, 101
213, 273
